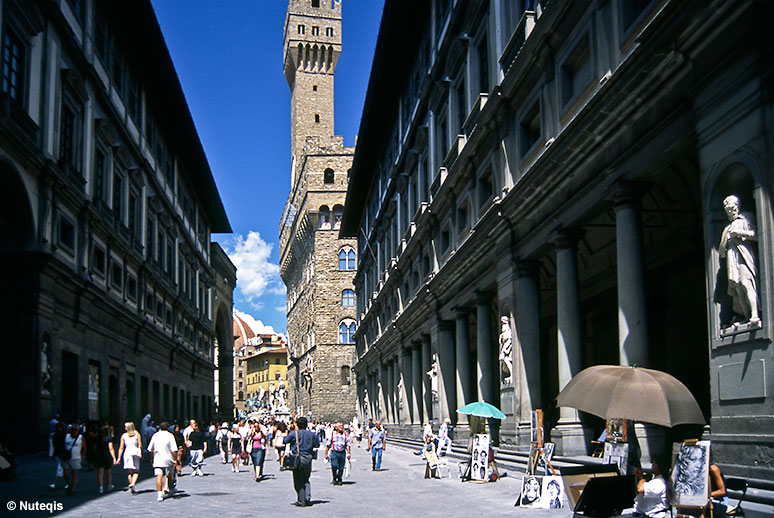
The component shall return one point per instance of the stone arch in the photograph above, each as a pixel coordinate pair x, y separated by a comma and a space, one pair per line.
224, 351
21, 370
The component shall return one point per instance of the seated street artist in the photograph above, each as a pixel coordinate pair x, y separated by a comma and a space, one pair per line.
651, 500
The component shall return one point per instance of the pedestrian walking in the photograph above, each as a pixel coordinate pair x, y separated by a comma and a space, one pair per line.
222, 439
279, 442
197, 445
101, 454
235, 447
302, 442
75, 450
59, 450
337, 450
130, 448
377, 443
358, 434
244, 429
163, 450
257, 437
180, 441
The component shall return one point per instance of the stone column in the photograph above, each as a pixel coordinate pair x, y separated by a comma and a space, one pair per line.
568, 434
388, 391
427, 385
416, 383
632, 316
484, 351
527, 337
408, 381
397, 397
380, 389
447, 389
462, 349
568, 315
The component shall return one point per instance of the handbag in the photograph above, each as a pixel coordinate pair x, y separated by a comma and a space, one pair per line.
290, 461
67, 454
249, 445
243, 455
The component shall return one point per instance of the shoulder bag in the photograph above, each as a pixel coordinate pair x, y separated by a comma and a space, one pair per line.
290, 460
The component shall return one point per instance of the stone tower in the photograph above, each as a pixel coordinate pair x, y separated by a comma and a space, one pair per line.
316, 266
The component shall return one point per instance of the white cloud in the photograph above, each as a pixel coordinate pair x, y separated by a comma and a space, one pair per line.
258, 327
256, 274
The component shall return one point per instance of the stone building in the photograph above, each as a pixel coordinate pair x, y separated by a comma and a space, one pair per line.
267, 369
245, 344
107, 203
316, 265
539, 187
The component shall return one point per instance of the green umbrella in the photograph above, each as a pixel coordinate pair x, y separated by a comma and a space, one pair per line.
482, 409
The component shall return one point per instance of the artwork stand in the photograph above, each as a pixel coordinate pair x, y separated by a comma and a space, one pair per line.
537, 452
698, 504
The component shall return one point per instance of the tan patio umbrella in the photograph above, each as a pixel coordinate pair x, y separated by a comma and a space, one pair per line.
623, 392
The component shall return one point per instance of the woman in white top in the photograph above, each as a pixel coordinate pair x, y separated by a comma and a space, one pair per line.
131, 449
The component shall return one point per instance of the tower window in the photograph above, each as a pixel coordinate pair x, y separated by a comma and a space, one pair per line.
328, 175
317, 118
329, 31
315, 3
301, 29
314, 88
315, 30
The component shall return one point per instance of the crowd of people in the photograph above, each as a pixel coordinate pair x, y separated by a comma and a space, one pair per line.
244, 442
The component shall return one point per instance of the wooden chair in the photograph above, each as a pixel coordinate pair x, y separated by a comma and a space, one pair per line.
736, 484
598, 450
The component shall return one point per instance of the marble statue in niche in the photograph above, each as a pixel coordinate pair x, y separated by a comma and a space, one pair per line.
506, 350
45, 369
737, 248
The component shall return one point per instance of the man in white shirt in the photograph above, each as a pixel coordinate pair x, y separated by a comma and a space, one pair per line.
162, 448
651, 500
444, 441
188, 429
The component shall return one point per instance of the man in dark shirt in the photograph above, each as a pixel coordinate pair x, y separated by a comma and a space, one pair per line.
303, 442
198, 447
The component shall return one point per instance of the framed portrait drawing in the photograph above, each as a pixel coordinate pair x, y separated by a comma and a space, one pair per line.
531, 491
690, 474
616, 430
542, 492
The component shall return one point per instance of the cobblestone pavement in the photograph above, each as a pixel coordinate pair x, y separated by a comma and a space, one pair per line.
398, 490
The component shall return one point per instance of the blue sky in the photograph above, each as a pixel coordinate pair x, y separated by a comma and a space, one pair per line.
228, 56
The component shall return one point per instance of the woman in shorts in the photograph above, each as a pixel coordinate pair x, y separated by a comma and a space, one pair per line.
76, 447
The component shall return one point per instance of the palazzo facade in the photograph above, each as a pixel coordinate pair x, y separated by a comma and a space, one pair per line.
539, 187
114, 297
316, 265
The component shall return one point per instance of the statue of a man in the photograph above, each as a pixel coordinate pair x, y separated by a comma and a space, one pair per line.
506, 349
736, 247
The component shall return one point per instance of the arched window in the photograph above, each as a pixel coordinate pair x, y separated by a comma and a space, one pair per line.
325, 218
347, 331
347, 259
338, 212
348, 298
328, 176
345, 375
